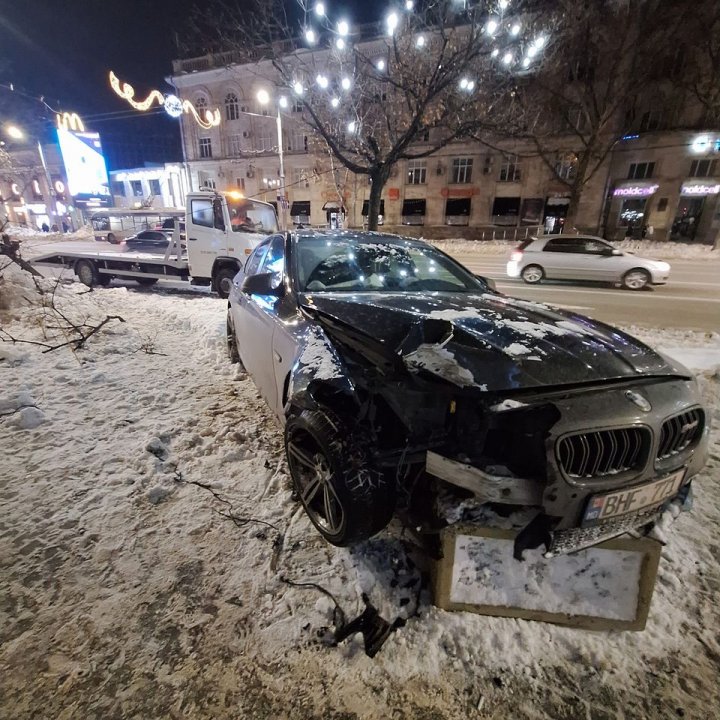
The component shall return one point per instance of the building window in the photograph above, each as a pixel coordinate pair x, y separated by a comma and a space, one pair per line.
298, 141
457, 211
662, 204
413, 212
201, 105
651, 120
136, 187
235, 143
462, 170
300, 177
205, 147
265, 141
240, 182
641, 171
565, 168
232, 111
297, 106
506, 210
208, 182
155, 187
118, 188
703, 168
510, 169
416, 172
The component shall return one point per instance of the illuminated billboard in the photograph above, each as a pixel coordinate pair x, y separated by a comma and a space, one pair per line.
84, 166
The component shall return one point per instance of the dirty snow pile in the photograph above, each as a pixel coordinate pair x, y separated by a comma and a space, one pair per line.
153, 563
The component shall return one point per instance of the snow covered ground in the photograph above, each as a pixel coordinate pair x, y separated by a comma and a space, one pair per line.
147, 535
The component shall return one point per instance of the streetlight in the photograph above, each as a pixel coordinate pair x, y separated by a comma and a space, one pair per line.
15, 133
263, 97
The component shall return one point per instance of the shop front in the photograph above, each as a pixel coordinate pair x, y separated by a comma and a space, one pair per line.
695, 212
556, 209
630, 205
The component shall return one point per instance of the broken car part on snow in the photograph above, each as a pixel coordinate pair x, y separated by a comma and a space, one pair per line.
392, 368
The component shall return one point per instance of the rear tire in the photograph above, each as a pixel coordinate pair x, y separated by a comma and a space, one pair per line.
87, 272
146, 282
346, 498
636, 279
532, 274
223, 282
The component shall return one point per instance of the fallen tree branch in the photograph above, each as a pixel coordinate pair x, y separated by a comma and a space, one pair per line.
11, 248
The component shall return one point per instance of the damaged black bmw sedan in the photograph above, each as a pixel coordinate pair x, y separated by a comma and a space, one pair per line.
393, 369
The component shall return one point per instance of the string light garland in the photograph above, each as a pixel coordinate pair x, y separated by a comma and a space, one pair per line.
173, 105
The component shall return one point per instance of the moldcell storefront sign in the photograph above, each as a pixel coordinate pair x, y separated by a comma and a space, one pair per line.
635, 190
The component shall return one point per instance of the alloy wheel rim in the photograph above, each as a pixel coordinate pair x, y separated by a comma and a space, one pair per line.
532, 275
636, 280
313, 476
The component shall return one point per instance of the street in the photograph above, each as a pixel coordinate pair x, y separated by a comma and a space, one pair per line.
691, 300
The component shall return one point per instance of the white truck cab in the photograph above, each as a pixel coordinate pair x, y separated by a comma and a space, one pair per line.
222, 230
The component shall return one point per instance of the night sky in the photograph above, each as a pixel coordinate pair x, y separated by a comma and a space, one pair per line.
63, 49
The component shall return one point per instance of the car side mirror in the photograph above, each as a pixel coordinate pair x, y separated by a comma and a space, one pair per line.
263, 284
488, 281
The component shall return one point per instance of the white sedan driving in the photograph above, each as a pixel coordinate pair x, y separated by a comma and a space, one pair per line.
583, 257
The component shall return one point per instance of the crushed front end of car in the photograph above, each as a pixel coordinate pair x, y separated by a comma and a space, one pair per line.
520, 405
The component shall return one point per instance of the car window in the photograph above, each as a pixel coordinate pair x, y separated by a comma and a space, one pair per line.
348, 265
201, 212
274, 261
253, 263
566, 245
596, 247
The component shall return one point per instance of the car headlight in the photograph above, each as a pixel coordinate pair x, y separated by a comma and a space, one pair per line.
663, 266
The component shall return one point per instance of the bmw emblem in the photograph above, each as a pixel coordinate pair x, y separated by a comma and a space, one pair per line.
639, 400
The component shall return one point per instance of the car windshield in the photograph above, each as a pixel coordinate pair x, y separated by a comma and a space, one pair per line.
337, 264
249, 216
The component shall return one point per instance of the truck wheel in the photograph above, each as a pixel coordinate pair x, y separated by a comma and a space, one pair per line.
87, 273
223, 281
146, 282
345, 497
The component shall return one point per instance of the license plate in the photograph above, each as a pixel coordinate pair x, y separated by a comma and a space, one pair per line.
622, 502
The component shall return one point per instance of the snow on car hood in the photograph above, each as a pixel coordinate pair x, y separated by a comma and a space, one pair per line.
491, 341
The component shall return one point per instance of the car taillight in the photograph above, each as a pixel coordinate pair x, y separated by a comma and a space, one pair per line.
516, 256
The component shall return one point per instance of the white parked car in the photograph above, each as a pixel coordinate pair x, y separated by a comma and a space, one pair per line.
583, 257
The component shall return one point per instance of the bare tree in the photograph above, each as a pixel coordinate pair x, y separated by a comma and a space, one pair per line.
602, 58
376, 96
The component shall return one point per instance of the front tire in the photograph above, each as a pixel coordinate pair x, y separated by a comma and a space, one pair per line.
223, 282
87, 273
345, 497
636, 279
532, 274
231, 341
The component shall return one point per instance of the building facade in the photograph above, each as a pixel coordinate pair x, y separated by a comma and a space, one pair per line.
27, 200
665, 180
153, 186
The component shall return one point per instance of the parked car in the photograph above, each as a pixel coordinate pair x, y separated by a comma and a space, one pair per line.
393, 368
152, 241
583, 257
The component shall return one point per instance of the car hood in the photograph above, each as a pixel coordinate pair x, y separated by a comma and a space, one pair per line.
485, 340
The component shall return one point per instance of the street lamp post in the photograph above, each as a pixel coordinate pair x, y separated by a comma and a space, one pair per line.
263, 98
15, 133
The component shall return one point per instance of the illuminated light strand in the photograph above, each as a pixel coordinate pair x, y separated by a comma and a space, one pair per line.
126, 91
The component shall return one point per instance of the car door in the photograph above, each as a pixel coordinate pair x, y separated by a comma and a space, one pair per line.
206, 236
563, 258
603, 264
254, 319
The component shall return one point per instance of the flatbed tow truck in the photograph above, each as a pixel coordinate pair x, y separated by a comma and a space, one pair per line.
222, 230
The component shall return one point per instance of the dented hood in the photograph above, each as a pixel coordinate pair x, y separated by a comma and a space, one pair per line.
488, 341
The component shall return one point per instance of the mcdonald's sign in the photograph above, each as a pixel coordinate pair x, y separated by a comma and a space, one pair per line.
70, 121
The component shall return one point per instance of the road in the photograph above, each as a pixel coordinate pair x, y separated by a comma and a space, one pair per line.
691, 300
